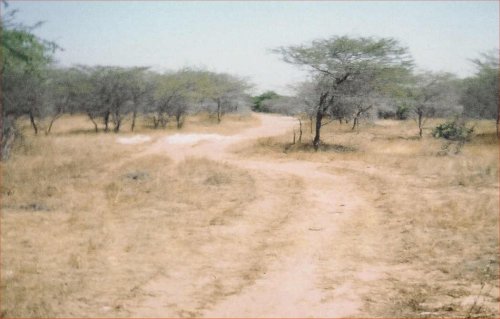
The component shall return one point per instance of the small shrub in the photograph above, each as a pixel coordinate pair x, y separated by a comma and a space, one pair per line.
454, 130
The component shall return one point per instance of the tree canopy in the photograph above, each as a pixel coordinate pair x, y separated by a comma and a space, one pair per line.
340, 63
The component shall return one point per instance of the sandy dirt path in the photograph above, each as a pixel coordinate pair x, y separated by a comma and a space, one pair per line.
293, 284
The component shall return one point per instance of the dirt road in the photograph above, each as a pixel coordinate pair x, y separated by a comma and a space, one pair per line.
298, 208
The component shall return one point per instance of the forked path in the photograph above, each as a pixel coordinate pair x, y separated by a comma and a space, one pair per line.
297, 282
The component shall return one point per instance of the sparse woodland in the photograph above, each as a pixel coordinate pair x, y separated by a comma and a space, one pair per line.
379, 180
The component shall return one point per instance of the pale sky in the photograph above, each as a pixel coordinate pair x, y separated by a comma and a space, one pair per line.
235, 37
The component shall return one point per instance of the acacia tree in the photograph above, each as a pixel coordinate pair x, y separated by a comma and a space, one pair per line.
118, 94
430, 94
85, 97
25, 59
224, 90
173, 95
116, 90
339, 60
359, 98
140, 84
480, 95
62, 90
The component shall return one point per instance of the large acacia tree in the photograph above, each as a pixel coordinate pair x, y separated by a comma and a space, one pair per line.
337, 61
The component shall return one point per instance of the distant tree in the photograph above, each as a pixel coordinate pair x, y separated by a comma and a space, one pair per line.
480, 94
226, 91
140, 84
339, 60
287, 105
62, 89
173, 95
118, 92
429, 95
259, 99
86, 96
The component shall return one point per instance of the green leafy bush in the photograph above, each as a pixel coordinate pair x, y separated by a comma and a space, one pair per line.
455, 130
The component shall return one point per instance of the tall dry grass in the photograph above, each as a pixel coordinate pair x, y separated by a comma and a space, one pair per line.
86, 223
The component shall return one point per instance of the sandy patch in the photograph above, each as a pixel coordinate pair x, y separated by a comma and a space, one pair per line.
194, 138
137, 139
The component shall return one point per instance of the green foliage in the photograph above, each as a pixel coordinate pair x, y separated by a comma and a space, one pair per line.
257, 100
337, 57
24, 64
480, 95
22, 50
402, 112
454, 130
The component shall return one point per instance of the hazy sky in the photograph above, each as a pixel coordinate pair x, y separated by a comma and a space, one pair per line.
235, 37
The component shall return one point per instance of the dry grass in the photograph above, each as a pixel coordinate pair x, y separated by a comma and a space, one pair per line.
88, 226
92, 228
79, 218
428, 233
80, 124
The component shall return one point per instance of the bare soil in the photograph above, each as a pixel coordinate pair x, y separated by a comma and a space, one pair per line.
291, 265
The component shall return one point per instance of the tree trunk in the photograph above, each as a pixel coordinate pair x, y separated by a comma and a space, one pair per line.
319, 118
47, 132
32, 120
219, 108
118, 122
9, 132
178, 119
134, 115
311, 123
300, 131
420, 123
355, 123
498, 123
106, 121
162, 120
93, 122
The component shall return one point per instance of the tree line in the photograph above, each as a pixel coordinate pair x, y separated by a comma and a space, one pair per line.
354, 78
33, 86
349, 79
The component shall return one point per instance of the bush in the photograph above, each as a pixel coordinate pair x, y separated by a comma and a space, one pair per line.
383, 114
402, 112
454, 130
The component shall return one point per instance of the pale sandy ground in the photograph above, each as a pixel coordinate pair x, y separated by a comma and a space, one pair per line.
292, 284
